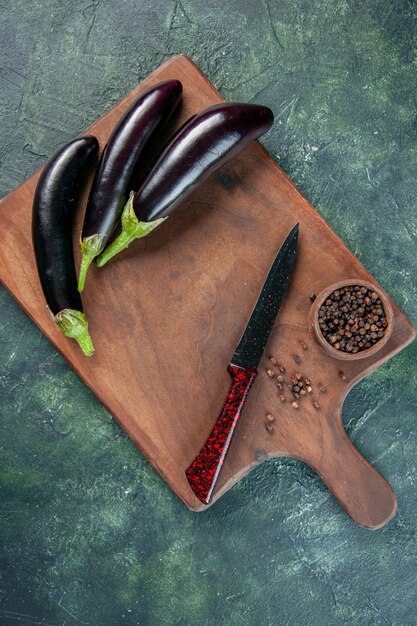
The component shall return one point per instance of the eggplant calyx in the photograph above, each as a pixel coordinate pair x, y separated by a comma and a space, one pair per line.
132, 229
90, 248
74, 324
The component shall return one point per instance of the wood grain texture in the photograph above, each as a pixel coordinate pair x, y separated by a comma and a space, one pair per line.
166, 316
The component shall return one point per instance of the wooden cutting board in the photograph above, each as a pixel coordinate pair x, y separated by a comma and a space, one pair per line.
165, 318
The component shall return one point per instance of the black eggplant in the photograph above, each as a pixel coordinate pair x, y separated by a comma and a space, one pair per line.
54, 204
201, 146
109, 191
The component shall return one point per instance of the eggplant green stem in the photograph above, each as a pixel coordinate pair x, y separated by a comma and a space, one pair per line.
74, 324
90, 248
132, 229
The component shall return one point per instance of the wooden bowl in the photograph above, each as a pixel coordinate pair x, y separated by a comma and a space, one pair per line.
318, 335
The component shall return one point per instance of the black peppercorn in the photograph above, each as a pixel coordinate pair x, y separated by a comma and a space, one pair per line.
352, 319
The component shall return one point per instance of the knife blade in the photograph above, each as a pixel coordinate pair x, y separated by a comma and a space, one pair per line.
204, 470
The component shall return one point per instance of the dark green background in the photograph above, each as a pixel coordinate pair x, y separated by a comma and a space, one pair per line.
90, 533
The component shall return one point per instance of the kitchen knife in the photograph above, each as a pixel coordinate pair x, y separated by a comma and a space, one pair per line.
205, 469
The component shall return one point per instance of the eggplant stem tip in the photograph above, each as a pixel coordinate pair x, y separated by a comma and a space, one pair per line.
90, 248
74, 324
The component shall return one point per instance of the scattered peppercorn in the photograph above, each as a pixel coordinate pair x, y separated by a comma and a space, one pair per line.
282, 398
299, 385
303, 345
297, 359
269, 427
270, 373
270, 417
282, 369
322, 388
273, 360
342, 375
312, 297
316, 405
295, 405
352, 319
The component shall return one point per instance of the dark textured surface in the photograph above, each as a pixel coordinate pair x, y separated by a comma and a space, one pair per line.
89, 532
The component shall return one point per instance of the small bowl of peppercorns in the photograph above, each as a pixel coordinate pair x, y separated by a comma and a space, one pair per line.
351, 319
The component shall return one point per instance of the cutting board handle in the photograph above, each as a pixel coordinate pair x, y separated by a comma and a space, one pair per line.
363, 493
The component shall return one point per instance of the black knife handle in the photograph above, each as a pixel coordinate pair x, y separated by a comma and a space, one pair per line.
204, 470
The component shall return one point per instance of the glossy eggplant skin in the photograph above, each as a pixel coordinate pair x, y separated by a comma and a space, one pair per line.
136, 128
54, 203
201, 146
